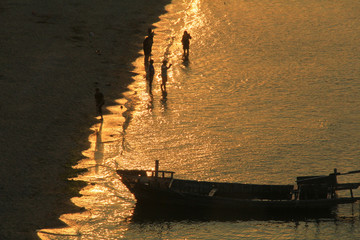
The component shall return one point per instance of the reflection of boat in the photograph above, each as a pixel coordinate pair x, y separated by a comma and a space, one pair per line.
311, 193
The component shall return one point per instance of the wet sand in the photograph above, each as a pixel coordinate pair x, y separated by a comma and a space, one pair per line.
52, 56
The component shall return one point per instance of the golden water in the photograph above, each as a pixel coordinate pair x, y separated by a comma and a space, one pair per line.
271, 91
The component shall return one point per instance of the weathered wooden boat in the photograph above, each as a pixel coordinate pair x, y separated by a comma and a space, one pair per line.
311, 193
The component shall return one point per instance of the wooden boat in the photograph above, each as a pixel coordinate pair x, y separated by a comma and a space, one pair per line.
311, 193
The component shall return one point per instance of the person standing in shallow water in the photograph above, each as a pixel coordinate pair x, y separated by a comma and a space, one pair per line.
164, 69
150, 74
99, 99
147, 46
186, 43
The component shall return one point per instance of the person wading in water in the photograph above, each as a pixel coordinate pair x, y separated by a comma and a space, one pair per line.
164, 69
186, 43
147, 46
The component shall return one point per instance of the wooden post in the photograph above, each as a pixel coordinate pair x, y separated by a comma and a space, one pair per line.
156, 168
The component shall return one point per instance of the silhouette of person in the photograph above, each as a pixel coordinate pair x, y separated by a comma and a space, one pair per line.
150, 32
164, 69
99, 99
147, 45
186, 43
150, 74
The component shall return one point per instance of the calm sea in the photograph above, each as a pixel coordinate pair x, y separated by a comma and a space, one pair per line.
271, 91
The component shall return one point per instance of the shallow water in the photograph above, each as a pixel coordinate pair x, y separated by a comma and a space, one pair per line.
270, 91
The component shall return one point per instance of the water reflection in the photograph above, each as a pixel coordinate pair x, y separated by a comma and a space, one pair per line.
186, 61
163, 100
147, 213
176, 226
99, 147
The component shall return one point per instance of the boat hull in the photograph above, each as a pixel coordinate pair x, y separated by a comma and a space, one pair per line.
167, 198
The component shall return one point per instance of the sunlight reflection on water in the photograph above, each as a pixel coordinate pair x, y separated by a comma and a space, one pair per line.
270, 92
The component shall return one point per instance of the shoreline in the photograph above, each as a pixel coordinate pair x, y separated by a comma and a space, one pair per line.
53, 57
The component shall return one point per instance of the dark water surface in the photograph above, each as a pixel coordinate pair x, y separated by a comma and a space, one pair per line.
271, 91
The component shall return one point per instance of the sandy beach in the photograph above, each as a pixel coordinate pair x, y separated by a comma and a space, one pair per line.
53, 55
